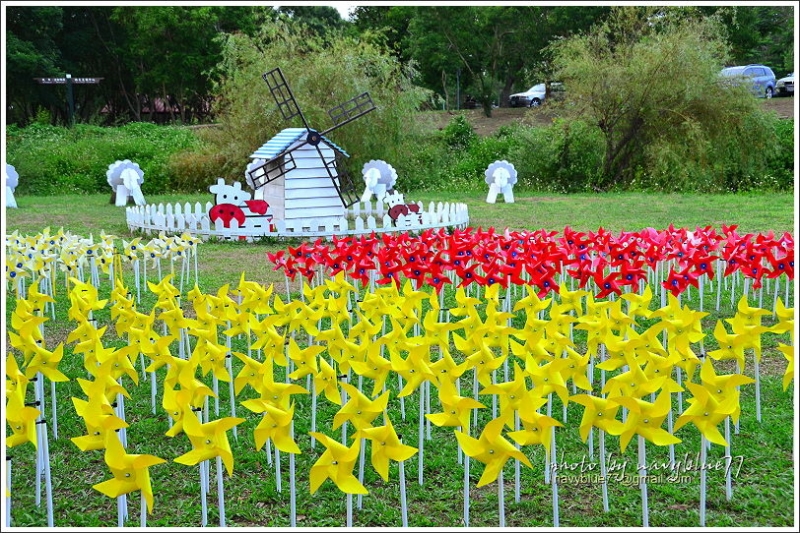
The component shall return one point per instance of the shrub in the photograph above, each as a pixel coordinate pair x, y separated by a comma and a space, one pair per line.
55, 160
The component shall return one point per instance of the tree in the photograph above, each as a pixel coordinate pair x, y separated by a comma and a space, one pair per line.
650, 83
31, 52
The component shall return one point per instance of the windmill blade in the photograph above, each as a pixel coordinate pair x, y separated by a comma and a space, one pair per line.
272, 169
350, 110
283, 95
342, 180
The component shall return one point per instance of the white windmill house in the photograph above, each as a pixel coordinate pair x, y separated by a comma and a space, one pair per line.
379, 180
299, 172
12, 180
501, 177
126, 178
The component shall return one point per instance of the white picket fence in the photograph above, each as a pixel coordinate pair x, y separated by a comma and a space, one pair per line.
361, 218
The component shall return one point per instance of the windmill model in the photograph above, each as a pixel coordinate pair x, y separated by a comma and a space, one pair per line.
299, 172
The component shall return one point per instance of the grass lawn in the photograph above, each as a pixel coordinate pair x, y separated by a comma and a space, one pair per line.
763, 478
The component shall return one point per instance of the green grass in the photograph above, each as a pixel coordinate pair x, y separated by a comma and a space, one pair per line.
764, 489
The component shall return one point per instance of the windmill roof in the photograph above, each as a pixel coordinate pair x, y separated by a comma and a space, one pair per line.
284, 140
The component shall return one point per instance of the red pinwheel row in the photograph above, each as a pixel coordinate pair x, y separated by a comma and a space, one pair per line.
486, 257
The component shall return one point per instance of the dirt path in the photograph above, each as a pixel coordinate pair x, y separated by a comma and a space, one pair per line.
783, 106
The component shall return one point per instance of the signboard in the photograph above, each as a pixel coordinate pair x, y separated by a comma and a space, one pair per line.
61, 81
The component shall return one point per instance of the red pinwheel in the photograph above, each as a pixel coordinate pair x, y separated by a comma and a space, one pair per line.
631, 272
608, 284
703, 264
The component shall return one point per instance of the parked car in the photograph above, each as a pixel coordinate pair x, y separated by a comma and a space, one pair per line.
761, 77
785, 86
536, 95
533, 97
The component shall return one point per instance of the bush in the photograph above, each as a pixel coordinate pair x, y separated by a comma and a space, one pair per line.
564, 157
56, 160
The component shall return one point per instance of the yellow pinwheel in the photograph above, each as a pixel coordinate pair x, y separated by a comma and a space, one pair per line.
386, 446
572, 300
785, 320
208, 440
326, 381
723, 386
639, 304
275, 425
747, 322
536, 428
21, 419
706, 412
130, 471
731, 346
374, 367
46, 362
99, 418
788, 353
645, 419
532, 305
456, 409
481, 358
336, 463
492, 449
277, 393
598, 412
415, 368
359, 410
510, 393
446, 369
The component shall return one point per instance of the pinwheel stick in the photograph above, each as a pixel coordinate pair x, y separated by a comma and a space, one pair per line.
501, 503
349, 510
220, 493
8, 492
702, 480
603, 468
728, 488
403, 502
643, 482
360, 499
758, 388
466, 483
203, 486
143, 513
554, 480
421, 437
292, 484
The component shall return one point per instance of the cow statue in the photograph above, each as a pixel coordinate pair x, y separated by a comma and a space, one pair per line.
12, 179
501, 177
125, 178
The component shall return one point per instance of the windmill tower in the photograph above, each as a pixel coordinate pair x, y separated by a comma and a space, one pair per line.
299, 172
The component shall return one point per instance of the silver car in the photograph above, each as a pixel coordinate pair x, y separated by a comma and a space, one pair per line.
761, 78
533, 97
785, 86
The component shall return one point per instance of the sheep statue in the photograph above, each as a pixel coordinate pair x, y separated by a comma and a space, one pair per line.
379, 179
12, 179
501, 177
125, 178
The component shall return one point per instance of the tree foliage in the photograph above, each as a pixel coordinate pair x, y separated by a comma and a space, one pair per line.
651, 85
322, 74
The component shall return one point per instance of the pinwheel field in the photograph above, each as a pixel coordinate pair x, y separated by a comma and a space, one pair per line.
582, 361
